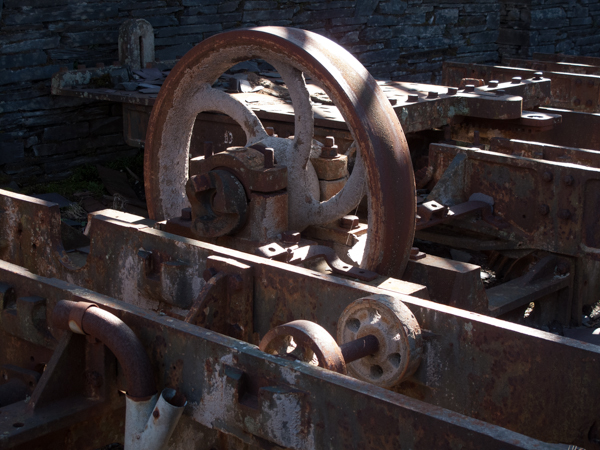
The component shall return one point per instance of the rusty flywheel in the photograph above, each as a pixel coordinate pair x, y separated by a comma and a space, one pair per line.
385, 164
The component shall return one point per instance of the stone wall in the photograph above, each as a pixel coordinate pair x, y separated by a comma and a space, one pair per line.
549, 26
43, 137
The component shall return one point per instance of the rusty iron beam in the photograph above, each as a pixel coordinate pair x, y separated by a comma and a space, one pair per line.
283, 293
284, 391
576, 129
546, 205
579, 92
415, 106
548, 152
551, 66
163, 267
575, 59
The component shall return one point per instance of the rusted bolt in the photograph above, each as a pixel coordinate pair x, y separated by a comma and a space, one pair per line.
577, 102
562, 268
500, 92
564, 214
100, 65
270, 131
269, 157
432, 94
547, 176
412, 98
538, 76
330, 150
393, 101
543, 210
208, 149
493, 83
568, 180
186, 214
516, 80
349, 222
589, 103
452, 91
470, 88
414, 251
290, 237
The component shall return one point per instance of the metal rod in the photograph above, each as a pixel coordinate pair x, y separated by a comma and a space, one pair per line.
364, 346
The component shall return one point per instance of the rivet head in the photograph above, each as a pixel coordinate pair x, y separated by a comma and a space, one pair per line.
568, 180
452, 91
516, 80
544, 210
547, 176
470, 88
562, 268
493, 83
564, 214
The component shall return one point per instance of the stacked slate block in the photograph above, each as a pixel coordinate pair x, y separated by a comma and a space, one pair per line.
43, 138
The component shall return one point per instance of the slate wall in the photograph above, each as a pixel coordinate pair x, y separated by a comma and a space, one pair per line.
549, 26
44, 137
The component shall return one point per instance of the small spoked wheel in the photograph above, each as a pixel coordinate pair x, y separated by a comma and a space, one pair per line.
397, 331
305, 341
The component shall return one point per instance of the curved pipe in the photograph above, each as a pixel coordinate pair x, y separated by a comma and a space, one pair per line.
87, 318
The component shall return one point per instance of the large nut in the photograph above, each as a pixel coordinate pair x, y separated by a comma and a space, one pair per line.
398, 333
